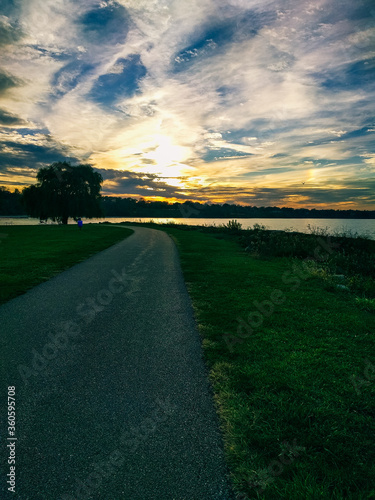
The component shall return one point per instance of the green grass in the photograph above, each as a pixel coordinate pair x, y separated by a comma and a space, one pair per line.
32, 254
296, 424
295, 394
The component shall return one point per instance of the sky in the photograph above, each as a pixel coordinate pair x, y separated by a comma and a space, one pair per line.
256, 102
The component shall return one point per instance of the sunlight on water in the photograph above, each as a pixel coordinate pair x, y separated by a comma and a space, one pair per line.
359, 226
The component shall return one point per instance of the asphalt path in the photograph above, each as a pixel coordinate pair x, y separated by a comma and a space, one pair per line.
112, 394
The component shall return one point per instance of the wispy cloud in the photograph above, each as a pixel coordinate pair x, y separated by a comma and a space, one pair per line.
256, 96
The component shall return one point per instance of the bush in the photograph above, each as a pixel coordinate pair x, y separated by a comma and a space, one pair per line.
233, 227
353, 257
261, 242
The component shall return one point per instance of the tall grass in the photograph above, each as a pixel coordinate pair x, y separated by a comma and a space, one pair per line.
352, 256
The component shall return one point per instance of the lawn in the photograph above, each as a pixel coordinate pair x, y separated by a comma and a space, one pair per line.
291, 354
292, 363
32, 254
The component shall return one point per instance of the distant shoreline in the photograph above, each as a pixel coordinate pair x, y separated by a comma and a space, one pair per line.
193, 217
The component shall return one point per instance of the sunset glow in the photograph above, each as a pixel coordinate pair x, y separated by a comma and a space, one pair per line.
254, 102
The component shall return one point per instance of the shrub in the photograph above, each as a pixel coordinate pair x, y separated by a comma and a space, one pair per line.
352, 257
233, 227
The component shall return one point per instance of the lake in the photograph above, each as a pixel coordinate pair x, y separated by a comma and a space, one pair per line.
360, 226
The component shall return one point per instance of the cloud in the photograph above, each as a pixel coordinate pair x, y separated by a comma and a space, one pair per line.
29, 150
9, 32
69, 76
347, 197
131, 183
222, 29
8, 81
247, 96
8, 119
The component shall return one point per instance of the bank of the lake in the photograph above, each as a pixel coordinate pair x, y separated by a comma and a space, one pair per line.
360, 226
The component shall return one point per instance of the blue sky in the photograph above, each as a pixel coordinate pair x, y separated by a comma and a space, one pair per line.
259, 102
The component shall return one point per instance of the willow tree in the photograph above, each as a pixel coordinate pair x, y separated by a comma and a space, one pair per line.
64, 191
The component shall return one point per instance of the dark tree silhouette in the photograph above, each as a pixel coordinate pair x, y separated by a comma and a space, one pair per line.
64, 191
11, 203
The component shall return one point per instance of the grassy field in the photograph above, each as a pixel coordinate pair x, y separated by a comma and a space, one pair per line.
291, 350
292, 363
32, 254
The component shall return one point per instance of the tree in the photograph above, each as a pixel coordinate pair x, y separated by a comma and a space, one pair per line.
11, 202
64, 191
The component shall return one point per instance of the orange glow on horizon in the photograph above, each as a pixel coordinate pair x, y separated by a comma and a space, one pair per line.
291, 201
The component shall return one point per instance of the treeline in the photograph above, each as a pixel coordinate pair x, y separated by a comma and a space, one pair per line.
12, 204
130, 207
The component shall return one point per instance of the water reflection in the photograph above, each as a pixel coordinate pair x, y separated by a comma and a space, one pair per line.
360, 226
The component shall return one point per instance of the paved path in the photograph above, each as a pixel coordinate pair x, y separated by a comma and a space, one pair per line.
112, 395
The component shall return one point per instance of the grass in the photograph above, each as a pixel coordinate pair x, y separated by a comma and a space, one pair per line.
32, 254
344, 260
295, 386
291, 355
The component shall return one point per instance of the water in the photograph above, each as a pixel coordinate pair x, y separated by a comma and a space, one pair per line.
364, 227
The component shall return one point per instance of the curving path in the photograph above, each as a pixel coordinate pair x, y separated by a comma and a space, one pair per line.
113, 400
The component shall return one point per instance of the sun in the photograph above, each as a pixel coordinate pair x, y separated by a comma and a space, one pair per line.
311, 174
167, 157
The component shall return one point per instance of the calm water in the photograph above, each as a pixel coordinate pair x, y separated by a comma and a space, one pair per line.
360, 226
